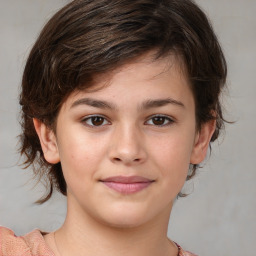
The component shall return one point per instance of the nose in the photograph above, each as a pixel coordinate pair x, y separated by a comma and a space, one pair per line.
127, 146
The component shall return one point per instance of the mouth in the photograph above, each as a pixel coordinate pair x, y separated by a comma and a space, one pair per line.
127, 185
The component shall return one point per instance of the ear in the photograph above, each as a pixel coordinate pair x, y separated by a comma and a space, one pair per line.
48, 142
202, 141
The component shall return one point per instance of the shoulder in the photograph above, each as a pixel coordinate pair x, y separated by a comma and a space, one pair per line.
29, 245
11, 245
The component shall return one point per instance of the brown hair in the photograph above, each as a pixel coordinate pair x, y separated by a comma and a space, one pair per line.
89, 37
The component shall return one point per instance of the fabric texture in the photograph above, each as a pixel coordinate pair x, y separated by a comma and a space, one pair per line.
33, 244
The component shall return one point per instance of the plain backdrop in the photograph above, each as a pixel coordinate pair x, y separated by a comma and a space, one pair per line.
218, 218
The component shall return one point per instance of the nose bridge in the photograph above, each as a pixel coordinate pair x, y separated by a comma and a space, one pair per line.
127, 146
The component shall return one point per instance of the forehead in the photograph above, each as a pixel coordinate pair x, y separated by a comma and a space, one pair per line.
148, 64
145, 74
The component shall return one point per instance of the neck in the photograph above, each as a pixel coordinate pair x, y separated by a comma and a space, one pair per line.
83, 235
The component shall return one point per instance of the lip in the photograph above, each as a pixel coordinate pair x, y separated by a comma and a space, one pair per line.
127, 185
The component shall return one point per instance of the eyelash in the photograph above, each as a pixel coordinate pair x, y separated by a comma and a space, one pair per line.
167, 121
90, 118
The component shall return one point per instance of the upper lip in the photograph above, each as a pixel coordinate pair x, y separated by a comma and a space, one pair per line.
127, 179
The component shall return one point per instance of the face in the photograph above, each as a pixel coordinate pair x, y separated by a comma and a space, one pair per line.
126, 147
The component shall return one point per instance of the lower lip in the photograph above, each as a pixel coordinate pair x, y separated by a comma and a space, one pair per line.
127, 188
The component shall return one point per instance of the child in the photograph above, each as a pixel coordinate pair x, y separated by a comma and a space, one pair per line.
120, 100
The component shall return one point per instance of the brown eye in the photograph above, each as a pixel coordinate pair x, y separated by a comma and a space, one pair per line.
95, 121
160, 121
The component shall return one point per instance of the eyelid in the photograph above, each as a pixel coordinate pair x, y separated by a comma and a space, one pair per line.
86, 118
167, 117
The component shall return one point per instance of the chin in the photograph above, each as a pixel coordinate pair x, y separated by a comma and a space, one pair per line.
125, 223
126, 218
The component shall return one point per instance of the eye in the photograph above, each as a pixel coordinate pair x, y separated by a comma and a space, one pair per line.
95, 121
160, 120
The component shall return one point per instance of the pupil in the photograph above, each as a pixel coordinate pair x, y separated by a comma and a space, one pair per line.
158, 120
97, 120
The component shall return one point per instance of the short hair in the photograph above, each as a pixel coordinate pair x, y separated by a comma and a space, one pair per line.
90, 37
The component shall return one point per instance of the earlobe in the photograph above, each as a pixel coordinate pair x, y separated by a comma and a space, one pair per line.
48, 141
202, 141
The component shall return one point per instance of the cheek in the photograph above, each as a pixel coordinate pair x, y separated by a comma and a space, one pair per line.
79, 158
173, 158
175, 150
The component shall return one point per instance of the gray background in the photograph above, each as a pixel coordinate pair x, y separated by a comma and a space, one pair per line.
218, 218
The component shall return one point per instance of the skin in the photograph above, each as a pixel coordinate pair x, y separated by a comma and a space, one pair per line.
126, 140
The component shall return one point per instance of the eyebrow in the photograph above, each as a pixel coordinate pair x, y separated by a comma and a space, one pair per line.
94, 103
148, 104
160, 103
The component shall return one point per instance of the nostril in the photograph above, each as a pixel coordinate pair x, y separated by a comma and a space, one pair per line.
117, 159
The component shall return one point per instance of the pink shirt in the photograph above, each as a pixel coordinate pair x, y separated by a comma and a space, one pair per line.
32, 244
